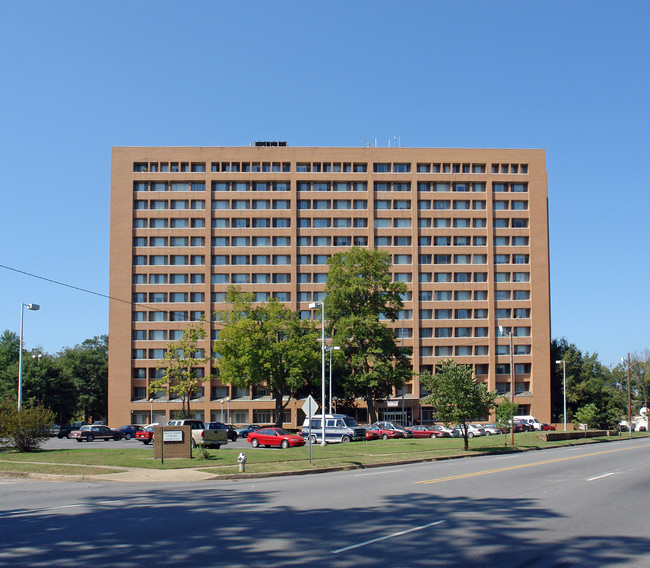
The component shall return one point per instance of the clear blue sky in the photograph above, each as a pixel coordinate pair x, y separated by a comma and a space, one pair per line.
570, 77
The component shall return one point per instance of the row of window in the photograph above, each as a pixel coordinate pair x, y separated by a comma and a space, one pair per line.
321, 278
305, 259
165, 297
333, 167
302, 186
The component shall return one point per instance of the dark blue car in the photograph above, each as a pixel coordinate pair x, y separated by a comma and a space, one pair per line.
129, 431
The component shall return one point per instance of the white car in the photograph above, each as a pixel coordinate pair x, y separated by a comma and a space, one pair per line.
472, 431
491, 429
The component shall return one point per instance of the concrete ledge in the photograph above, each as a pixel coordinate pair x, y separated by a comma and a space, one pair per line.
576, 434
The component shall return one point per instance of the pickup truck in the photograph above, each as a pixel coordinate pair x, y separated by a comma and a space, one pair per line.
202, 436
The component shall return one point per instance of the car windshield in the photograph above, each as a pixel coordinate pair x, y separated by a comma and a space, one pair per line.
282, 432
351, 422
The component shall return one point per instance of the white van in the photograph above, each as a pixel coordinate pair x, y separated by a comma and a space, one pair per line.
530, 420
338, 428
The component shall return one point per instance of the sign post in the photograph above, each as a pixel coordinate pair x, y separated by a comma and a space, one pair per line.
309, 408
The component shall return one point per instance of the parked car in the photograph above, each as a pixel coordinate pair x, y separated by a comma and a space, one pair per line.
547, 426
64, 431
395, 426
245, 429
129, 431
423, 432
372, 432
275, 437
146, 434
473, 430
443, 431
231, 433
531, 422
338, 428
492, 429
391, 431
95, 432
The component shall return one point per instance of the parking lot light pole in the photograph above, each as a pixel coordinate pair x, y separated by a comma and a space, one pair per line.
33, 307
330, 349
563, 388
313, 306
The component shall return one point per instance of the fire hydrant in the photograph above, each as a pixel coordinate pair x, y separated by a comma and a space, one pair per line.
241, 459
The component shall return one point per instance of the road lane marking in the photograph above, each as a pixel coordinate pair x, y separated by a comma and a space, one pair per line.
393, 535
601, 476
377, 472
511, 468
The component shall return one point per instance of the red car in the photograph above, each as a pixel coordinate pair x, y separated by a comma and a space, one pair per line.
275, 437
423, 432
145, 436
372, 432
386, 431
548, 427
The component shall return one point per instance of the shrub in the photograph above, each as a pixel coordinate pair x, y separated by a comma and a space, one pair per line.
25, 429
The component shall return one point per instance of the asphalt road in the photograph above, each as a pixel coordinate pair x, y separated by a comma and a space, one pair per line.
576, 506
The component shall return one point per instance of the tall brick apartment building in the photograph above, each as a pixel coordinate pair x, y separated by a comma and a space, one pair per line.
467, 230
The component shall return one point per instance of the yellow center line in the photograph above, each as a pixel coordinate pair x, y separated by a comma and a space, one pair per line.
534, 464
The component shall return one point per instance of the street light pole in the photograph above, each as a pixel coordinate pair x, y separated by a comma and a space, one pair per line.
33, 307
312, 306
563, 388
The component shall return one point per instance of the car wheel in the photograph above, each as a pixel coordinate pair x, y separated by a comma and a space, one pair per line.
146, 442
79, 440
127, 436
193, 444
117, 437
314, 440
488, 433
68, 435
285, 444
433, 436
384, 436
470, 435
346, 439
90, 438
255, 442
60, 436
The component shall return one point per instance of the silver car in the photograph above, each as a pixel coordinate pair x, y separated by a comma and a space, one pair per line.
472, 431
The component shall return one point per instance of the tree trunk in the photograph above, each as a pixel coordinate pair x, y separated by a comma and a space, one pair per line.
278, 412
371, 407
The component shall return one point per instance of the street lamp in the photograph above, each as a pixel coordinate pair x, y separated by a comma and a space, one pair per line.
151, 410
330, 349
512, 383
563, 388
313, 306
33, 307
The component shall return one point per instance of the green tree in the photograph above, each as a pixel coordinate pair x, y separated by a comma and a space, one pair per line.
360, 291
180, 365
457, 397
87, 366
9, 349
26, 429
45, 384
266, 345
587, 414
505, 413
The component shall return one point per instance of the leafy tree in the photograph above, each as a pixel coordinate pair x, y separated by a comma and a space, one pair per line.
458, 398
45, 384
180, 364
87, 366
506, 411
266, 345
587, 414
25, 429
9, 349
587, 381
360, 290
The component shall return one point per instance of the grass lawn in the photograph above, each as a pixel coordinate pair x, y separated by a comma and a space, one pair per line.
224, 460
